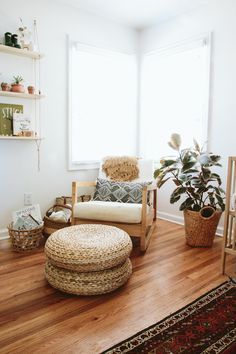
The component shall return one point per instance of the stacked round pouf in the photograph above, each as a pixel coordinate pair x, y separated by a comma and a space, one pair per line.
88, 259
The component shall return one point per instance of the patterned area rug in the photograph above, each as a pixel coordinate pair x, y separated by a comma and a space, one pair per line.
207, 326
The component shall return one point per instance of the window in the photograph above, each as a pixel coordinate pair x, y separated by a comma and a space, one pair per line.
102, 105
174, 97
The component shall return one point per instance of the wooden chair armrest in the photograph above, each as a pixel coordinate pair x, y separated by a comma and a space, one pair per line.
75, 186
85, 183
153, 190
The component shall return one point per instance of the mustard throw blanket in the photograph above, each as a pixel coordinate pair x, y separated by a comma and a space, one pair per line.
121, 168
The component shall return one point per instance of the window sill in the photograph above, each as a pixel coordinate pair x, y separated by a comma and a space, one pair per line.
75, 166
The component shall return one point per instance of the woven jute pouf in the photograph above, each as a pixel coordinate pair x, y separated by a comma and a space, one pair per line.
88, 283
87, 248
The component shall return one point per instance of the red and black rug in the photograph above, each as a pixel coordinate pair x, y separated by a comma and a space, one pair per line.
207, 326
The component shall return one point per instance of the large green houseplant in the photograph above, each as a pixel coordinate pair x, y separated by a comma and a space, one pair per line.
198, 188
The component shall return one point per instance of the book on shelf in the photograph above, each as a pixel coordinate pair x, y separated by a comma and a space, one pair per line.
6, 117
21, 124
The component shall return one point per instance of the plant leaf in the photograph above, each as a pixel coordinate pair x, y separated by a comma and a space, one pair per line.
161, 182
196, 145
186, 204
172, 145
167, 163
157, 172
175, 140
187, 166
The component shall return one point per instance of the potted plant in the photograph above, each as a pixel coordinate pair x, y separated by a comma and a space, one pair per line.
5, 86
31, 90
16, 86
198, 186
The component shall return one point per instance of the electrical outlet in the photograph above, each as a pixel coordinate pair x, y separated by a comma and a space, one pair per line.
27, 199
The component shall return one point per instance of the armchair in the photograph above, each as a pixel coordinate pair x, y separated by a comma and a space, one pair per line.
137, 219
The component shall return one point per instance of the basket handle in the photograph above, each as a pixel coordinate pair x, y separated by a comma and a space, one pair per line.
60, 206
207, 212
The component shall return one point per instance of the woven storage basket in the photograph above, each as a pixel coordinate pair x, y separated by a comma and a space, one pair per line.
25, 240
200, 227
68, 200
50, 225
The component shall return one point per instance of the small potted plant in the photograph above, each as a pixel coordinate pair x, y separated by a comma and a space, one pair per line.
198, 187
31, 90
16, 86
5, 86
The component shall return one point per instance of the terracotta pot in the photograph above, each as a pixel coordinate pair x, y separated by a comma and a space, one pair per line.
17, 88
200, 226
6, 87
31, 90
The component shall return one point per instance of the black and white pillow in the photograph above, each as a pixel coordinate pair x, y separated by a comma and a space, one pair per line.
123, 192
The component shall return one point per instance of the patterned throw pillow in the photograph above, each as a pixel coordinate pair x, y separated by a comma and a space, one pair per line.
123, 192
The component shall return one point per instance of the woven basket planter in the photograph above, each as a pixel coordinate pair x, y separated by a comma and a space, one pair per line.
200, 227
25, 240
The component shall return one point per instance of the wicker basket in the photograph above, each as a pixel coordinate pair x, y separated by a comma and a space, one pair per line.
68, 200
50, 225
25, 240
200, 227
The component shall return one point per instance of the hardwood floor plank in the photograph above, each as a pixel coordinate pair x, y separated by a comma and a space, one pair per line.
35, 318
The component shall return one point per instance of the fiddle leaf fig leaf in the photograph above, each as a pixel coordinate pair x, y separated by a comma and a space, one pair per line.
215, 158
161, 182
196, 145
167, 163
175, 140
186, 204
172, 145
187, 166
157, 172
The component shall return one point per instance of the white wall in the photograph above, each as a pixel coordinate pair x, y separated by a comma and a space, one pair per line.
219, 17
18, 159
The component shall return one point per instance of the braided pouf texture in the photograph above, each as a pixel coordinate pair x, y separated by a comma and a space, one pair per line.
88, 283
87, 248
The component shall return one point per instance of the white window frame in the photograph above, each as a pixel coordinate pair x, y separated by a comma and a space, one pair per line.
72, 165
175, 48
81, 165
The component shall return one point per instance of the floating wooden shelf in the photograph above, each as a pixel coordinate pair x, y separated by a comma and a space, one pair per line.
7, 137
20, 52
20, 95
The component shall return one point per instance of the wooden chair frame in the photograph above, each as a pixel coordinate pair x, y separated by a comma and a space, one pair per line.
143, 230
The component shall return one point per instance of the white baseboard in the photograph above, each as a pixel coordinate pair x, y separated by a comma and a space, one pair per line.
3, 234
180, 220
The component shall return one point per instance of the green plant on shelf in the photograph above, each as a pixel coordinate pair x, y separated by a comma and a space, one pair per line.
17, 79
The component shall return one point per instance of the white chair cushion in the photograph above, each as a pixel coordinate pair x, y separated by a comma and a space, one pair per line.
109, 211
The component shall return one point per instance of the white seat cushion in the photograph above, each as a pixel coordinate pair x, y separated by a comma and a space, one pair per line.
109, 211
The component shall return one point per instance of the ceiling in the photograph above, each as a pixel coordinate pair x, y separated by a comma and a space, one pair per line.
136, 13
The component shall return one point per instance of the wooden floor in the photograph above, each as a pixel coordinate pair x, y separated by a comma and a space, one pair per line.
35, 318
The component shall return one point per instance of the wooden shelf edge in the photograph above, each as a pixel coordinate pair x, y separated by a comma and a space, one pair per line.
21, 95
4, 137
232, 212
20, 52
